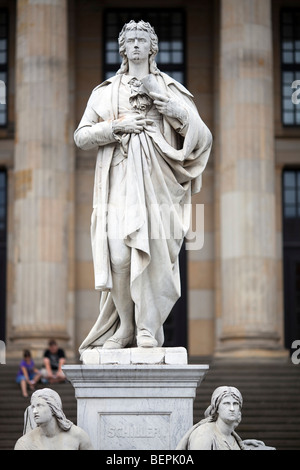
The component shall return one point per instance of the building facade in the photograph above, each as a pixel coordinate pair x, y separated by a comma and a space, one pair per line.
241, 61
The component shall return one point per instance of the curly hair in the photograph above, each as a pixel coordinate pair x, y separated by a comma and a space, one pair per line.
141, 26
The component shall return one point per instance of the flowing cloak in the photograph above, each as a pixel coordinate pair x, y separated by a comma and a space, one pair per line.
164, 168
208, 431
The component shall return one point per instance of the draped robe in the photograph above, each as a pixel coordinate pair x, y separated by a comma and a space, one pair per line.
207, 431
163, 168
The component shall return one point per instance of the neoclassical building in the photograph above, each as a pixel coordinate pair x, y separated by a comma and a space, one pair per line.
240, 59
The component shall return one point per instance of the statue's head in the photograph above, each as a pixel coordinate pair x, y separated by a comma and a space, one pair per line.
46, 403
220, 395
140, 26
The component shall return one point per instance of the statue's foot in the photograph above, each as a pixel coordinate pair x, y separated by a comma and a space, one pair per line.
118, 343
145, 339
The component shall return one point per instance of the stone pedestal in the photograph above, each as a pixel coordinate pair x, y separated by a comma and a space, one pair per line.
136, 406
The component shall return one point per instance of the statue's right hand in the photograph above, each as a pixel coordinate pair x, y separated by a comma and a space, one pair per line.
129, 125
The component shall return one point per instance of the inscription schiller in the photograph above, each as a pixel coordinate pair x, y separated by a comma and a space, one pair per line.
133, 431
139, 431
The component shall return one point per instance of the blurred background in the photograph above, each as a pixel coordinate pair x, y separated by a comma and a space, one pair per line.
241, 291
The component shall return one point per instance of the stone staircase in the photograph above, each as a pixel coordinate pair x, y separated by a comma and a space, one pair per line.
270, 389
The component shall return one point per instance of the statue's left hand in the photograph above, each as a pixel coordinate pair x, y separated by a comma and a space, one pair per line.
169, 106
256, 445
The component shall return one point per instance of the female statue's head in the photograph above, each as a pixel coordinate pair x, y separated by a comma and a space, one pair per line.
46, 403
140, 26
219, 396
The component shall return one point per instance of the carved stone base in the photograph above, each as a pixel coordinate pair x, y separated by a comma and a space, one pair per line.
135, 356
135, 406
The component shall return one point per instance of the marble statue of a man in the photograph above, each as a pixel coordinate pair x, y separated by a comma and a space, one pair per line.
47, 428
217, 430
152, 149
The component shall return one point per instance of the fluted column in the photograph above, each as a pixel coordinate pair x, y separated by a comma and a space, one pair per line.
246, 179
43, 175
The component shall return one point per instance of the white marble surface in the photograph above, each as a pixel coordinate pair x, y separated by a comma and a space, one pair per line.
47, 428
128, 356
135, 406
142, 212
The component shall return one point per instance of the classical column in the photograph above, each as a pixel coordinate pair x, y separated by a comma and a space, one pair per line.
43, 176
247, 300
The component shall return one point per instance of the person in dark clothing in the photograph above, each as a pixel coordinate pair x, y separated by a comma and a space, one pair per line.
54, 359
